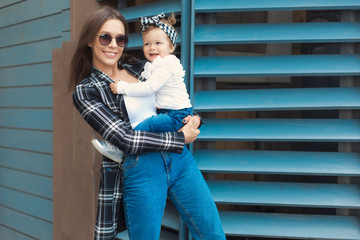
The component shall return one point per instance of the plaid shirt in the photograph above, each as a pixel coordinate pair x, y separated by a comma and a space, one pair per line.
106, 113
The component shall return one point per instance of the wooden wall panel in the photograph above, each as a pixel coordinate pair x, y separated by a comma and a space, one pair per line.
30, 30
26, 75
37, 163
30, 97
37, 119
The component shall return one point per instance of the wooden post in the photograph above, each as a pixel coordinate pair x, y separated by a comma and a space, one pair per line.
75, 163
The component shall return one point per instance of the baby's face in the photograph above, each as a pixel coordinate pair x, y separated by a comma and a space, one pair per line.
156, 43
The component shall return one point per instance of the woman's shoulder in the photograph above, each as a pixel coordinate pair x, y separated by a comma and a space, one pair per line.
88, 86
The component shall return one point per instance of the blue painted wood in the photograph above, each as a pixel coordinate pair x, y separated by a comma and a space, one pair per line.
36, 52
6, 3
31, 140
284, 65
28, 10
206, 34
290, 225
35, 97
171, 219
7, 233
301, 130
285, 194
25, 203
43, 28
36, 74
27, 161
38, 119
133, 13
164, 235
279, 162
26, 182
33, 227
265, 5
277, 99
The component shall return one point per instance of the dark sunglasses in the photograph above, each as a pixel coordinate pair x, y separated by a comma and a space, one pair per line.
105, 39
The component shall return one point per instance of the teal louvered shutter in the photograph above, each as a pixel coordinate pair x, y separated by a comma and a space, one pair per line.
302, 190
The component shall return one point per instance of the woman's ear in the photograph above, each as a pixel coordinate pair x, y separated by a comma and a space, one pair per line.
90, 44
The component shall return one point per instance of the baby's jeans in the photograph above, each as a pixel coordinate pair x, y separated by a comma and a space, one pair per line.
167, 120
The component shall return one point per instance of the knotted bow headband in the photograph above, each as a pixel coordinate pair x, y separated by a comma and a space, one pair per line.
170, 31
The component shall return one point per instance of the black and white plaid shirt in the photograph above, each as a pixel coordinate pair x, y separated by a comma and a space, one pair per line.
106, 114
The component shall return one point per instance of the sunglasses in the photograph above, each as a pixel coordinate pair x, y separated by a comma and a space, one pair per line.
105, 39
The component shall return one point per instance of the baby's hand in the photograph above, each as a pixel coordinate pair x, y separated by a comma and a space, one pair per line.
113, 88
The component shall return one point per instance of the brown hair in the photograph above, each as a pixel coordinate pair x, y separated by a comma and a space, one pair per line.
171, 20
81, 62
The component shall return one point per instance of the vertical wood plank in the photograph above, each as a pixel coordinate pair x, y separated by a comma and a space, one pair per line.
76, 165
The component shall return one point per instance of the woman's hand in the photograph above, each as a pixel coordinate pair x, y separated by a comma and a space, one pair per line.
190, 129
113, 88
195, 121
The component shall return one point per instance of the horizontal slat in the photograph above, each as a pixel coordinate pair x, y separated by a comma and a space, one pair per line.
28, 10
164, 235
34, 227
7, 233
37, 74
278, 65
25, 203
35, 141
279, 162
27, 161
151, 9
39, 29
285, 194
277, 99
303, 130
277, 33
265, 5
26, 182
290, 225
35, 97
36, 52
40, 119
171, 217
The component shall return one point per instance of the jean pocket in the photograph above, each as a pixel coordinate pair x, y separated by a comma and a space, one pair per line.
130, 161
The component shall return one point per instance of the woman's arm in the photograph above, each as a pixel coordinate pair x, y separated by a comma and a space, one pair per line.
109, 125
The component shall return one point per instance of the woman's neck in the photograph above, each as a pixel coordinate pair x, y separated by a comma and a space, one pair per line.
112, 72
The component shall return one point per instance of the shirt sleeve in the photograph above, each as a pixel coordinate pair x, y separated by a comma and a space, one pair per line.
160, 75
109, 125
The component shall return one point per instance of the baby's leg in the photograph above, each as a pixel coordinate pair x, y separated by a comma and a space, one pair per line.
158, 123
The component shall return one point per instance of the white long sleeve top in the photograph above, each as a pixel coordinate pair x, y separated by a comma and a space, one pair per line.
165, 78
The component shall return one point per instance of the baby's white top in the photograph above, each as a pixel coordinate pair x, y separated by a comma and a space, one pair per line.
140, 108
165, 78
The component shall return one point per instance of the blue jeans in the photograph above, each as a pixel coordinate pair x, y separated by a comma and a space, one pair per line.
167, 120
150, 178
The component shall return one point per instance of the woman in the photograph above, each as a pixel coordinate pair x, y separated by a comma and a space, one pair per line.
156, 165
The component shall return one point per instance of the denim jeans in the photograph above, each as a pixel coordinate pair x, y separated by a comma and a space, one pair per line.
167, 120
150, 178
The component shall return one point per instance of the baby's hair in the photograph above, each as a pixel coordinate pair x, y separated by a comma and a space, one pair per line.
171, 21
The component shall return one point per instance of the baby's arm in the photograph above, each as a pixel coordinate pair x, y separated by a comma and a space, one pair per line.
160, 76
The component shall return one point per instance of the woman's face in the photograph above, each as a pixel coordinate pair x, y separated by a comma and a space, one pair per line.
106, 57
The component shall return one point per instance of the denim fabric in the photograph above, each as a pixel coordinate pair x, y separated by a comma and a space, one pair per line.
167, 120
150, 178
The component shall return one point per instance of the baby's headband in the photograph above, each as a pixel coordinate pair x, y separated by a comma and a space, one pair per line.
170, 31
